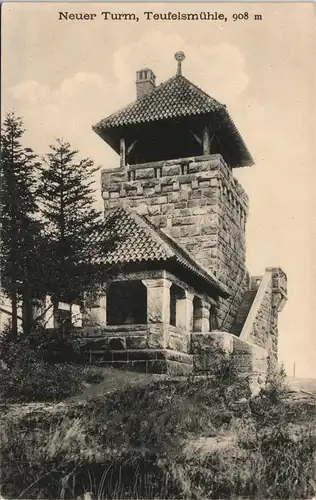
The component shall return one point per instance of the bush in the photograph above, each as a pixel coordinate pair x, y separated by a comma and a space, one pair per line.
54, 346
136, 441
30, 371
40, 381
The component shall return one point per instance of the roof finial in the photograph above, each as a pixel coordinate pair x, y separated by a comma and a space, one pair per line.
179, 56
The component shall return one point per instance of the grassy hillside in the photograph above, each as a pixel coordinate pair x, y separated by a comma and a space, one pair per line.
67, 429
134, 437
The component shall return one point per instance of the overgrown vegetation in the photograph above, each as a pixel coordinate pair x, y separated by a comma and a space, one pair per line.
42, 367
163, 439
74, 229
51, 232
20, 230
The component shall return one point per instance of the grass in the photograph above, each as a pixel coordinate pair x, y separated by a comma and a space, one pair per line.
140, 438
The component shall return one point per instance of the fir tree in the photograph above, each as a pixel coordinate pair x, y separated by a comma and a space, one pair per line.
19, 228
73, 227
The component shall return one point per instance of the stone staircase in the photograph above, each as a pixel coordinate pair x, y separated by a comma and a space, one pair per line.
243, 311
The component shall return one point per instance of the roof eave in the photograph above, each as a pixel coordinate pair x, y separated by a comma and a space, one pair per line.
203, 276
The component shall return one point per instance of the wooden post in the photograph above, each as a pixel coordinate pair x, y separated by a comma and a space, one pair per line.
122, 152
206, 141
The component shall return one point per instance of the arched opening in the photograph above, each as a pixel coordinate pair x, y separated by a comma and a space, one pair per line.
176, 294
127, 303
197, 314
213, 319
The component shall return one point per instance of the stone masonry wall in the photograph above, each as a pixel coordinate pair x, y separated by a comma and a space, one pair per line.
261, 326
201, 205
245, 357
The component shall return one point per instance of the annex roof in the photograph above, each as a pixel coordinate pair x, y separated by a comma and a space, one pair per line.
137, 241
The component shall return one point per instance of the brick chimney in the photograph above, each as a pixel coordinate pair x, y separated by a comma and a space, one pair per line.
145, 82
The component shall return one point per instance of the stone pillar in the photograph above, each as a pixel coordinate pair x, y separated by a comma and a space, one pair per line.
202, 317
76, 315
206, 141
49, 313
184, 311
94, 310
158, 300
38, 311
122, 152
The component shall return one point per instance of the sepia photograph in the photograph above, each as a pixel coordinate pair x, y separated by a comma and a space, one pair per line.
157, 280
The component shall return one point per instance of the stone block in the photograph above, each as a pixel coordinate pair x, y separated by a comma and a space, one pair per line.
141, 355
196, 194
175, 369
204, 184
198, 210
241, 347
183, 195
187, 179
92, 331
139, 366
150, 184
195, 167
167, 188
96, 344
190, 231
156, 340
136, 342
120, 365
171, 170
156, 366
144, 173
117, 343
171, 355
204, 341
209, 230
183, 221
154, 209
119, 355
204, 362
131, 192
100, 356
180, 205
176, 343
173, 197
158, 200
160, 220
242, 362
114, 194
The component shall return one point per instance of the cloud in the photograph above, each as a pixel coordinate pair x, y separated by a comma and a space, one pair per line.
218, 69
80, 84
67, 111
31, 92
83, 98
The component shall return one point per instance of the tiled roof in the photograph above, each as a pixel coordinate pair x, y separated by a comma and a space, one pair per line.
135, 240
174, 98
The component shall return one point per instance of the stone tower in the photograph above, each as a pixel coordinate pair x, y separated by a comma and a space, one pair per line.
178, 148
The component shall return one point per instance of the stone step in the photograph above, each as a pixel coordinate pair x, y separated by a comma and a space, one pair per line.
164, 361
243, 311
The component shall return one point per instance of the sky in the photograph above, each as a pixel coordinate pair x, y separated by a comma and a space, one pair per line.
64, 76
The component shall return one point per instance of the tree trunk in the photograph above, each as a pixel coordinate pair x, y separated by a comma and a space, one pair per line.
14, 306
27, 312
